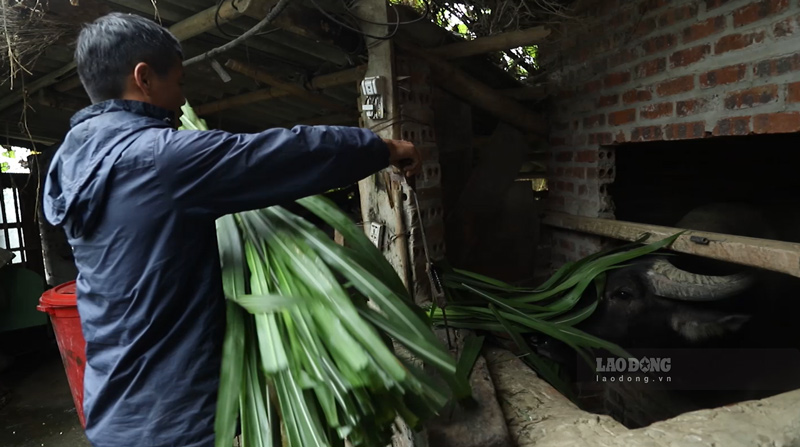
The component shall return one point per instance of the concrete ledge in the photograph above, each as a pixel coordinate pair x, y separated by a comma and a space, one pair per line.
538, 415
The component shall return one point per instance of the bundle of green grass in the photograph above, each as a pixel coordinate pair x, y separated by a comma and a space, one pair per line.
307, 357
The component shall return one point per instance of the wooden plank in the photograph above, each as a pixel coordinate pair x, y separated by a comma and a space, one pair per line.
318, 83
498, 42
778, 256
459, 83
262, 76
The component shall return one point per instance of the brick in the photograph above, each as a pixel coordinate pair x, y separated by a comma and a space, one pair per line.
683, 131
659, 43
609, 100
594, 120
615, 79
647, 133
564, 156
713, 4
758, 11
651, 5
600, 65
793, 94
786, 27
591, 173
783, 122
777, 66
566, 244
675, 15
739, 125
622, 117
620, 137
593, 86
565, 186
723, 76
622, 57
650, 68
734, 42
689, 56
675, 86
655, 111
601, 138
704, 29
645, 27
582, 190
636, 95
579, 173
691, 107
751, 97
586, 156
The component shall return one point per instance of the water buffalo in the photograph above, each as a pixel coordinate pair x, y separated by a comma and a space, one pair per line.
693, 304
666, 301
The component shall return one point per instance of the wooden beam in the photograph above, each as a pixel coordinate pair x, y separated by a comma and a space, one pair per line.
262, 76
338, 119
317, 83
498, 42
60, 101
190, 27
525, 93
778, 256
459, 83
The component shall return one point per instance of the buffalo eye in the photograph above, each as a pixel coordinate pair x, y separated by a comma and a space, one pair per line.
622, 294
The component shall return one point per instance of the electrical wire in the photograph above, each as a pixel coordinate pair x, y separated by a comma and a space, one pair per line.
346, 26
396, 12
217, 15
280, 6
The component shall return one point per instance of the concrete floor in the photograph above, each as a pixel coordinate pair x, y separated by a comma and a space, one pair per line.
37, 408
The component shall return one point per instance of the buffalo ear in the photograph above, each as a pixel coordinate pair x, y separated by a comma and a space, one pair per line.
699, 326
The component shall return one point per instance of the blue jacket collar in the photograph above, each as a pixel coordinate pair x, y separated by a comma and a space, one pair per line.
123, 105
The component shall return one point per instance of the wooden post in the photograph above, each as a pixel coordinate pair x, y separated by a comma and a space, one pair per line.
498, 42
778, 256
381, 196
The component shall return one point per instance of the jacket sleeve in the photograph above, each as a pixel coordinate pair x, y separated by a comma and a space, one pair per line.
219, 173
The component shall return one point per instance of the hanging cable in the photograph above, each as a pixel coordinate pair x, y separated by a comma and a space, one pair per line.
346, 26
249, 33
396, 12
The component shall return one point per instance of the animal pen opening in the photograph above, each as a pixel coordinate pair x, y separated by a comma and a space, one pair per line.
723, 349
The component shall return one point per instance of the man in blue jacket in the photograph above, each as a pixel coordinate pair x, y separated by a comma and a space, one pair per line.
138, 201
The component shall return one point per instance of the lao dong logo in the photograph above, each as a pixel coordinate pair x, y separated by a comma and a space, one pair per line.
649, 367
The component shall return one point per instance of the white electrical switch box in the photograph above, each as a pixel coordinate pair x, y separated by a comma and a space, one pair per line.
372, 86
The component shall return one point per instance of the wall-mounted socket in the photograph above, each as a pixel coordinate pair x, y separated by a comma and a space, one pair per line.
376, 231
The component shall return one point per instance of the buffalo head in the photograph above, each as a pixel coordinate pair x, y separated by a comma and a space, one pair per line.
655, 303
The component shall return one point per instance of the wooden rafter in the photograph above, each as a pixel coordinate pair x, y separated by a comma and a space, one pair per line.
317, 83
497, 42
185, 29
262, 76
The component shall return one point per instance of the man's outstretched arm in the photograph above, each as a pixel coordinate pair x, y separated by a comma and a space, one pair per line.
216, 172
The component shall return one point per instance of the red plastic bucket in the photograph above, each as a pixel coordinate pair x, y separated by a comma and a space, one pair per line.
62, 305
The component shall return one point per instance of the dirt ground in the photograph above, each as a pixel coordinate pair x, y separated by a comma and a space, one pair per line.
36, 408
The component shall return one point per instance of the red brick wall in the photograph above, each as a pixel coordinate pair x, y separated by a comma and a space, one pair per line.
645, 70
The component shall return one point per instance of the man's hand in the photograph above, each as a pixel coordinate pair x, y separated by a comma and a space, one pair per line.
404, 156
